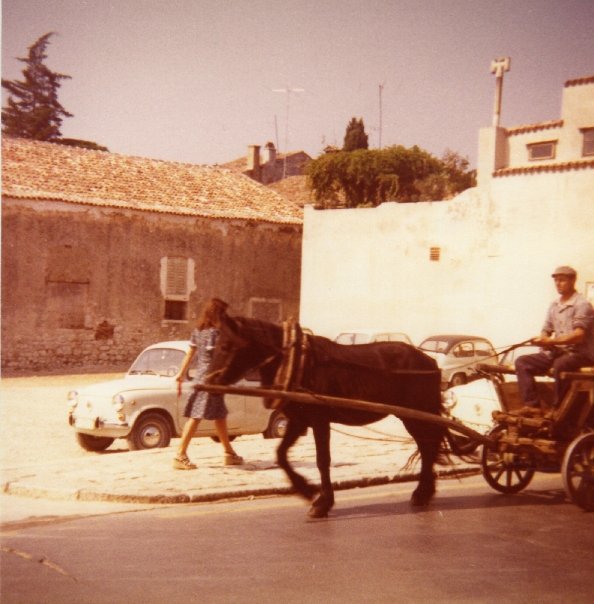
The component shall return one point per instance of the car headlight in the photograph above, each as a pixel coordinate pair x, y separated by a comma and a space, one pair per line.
450, 400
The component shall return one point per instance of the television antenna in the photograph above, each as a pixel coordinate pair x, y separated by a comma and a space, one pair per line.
288, 91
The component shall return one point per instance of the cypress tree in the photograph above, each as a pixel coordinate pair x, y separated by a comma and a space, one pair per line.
33, 110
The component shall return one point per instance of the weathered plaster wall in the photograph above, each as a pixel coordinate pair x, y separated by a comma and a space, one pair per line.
371, 268
109, 262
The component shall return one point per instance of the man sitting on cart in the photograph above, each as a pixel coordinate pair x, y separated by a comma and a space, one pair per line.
567, 341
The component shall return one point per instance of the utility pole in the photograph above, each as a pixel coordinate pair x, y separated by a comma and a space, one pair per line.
288, 91
499, 67
381, 89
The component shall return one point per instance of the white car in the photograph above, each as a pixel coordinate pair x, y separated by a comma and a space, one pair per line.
143, 407
458, 355
366, 336
473, 404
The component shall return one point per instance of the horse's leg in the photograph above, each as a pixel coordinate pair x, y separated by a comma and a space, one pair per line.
293, 432
324, 502
428, 439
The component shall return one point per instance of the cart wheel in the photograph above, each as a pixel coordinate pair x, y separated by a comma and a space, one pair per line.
504, 472
578, 471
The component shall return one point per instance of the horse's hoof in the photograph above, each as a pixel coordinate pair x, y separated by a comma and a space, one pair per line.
421, 499
316, 513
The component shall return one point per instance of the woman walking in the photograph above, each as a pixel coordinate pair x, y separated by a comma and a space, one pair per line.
202, 405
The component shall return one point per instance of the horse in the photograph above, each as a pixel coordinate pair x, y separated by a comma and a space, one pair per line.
392, 373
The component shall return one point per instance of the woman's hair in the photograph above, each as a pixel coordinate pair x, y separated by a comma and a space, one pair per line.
211, 313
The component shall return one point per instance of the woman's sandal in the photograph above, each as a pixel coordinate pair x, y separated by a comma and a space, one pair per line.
232, 459
182, 462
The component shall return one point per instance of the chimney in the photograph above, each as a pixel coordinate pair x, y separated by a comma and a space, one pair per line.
253, 161
269, 153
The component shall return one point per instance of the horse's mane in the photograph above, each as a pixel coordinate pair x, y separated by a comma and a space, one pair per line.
263, 332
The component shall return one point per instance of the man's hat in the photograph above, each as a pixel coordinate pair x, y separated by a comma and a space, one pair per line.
564, 270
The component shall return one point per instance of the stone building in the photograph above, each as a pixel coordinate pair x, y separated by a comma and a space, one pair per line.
269, 167
479, 263
103, 254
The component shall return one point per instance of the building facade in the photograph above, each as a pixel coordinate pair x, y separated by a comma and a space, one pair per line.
479, 263
103, 254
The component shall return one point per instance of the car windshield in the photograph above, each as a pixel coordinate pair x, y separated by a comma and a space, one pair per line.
433, 345
158, 361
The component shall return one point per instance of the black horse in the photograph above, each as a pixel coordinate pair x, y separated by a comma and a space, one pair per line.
392, 373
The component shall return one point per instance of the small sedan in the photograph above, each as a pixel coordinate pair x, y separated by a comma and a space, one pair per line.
457, 356
143, 407
366, 336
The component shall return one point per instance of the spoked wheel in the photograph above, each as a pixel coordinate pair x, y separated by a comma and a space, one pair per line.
504, 472
578, 471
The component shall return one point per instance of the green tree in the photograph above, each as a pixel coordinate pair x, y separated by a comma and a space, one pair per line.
355, 137
370, 177
33, 110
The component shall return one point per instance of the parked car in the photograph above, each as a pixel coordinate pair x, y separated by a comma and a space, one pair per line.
473, 403
458, 355
365, 336
144, 408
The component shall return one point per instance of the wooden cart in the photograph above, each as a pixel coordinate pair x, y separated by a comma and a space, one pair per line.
558, 440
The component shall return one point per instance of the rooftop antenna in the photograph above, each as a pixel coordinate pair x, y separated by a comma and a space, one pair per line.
288, 91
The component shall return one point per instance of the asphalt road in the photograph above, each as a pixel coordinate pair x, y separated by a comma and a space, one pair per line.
470, 545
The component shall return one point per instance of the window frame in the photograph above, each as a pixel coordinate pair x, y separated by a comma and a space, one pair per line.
541, 144
587, 142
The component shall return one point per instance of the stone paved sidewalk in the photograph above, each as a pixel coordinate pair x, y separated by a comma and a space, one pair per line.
360, 457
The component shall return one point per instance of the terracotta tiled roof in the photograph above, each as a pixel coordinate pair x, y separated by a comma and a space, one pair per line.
295, 189
39, 170
241, 163
583, 164
580, 81
534, 127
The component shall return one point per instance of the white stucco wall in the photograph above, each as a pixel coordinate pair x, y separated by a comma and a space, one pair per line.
370, 268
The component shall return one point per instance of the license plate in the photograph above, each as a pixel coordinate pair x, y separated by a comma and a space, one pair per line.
86, 423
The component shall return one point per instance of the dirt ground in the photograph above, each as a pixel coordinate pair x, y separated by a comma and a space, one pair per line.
33, 418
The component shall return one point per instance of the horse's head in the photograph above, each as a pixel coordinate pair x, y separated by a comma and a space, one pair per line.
244, 344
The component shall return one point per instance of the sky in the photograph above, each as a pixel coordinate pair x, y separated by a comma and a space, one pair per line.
199, 80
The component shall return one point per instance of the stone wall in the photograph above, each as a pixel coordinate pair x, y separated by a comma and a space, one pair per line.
82, 286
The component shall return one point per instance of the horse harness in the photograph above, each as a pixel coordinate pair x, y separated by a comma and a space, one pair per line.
294, 353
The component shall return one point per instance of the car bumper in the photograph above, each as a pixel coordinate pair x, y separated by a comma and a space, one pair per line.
97, 426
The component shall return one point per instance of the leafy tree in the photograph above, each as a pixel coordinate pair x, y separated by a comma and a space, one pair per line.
33, 109
355, 137
370, 177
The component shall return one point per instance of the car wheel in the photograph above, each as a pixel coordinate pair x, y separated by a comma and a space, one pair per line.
458, 379
151, 431
277, 425
93, 443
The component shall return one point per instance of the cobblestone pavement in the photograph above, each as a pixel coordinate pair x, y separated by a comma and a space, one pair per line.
40, 457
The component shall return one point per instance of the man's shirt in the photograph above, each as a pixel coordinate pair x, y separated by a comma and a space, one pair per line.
563, 317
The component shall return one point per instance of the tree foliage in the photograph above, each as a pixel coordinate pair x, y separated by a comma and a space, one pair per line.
370, 177
33, 110
355, 137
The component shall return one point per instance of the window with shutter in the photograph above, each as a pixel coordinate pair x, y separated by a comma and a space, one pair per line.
176, 289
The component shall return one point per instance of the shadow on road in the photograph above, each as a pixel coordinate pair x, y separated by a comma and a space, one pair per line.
549, 497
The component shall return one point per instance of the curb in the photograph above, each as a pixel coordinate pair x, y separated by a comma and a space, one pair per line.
65, 494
